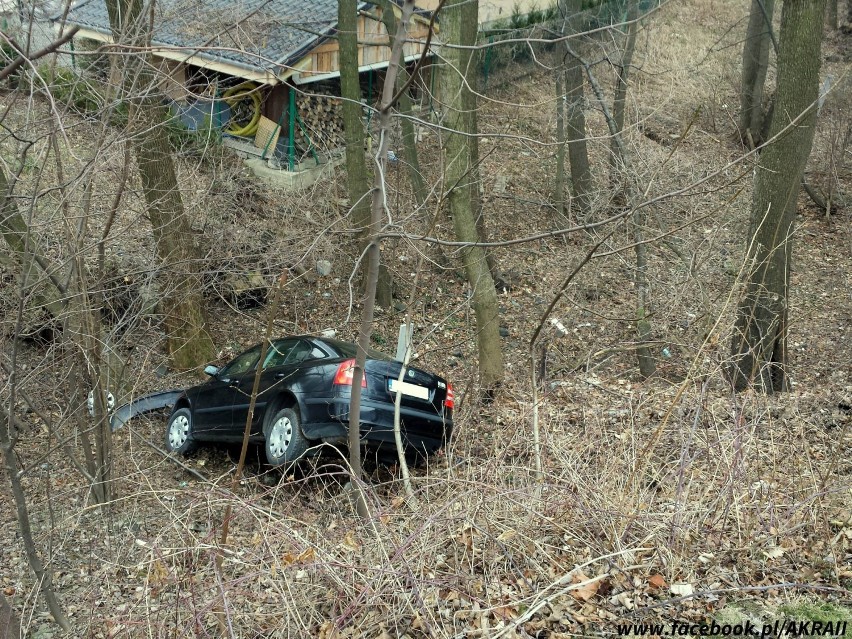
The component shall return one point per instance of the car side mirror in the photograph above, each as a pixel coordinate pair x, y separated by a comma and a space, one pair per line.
210, 370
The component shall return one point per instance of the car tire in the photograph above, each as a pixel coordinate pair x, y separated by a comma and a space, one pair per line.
284, 441
179, 433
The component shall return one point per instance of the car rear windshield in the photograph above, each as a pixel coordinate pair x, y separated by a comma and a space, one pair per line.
351, 350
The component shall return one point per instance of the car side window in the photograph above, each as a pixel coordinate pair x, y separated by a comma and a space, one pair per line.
242, 364
279, 352
304, 351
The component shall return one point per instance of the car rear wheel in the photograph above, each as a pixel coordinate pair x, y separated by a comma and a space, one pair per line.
285, 442
179, 432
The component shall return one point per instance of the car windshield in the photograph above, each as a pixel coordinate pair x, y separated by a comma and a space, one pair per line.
242, 364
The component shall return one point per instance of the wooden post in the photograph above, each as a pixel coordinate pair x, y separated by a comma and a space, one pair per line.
291, 124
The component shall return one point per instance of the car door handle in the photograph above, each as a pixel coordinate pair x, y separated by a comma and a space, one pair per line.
280, 375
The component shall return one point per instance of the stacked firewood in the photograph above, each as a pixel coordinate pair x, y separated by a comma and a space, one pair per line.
322, 119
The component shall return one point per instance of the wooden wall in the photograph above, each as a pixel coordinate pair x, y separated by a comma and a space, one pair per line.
373, 47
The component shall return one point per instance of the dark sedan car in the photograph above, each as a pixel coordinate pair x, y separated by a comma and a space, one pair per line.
303, 400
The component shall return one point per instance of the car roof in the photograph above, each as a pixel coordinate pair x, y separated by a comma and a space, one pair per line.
346, 349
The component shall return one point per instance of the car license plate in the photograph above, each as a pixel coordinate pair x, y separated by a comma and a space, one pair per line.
411, 390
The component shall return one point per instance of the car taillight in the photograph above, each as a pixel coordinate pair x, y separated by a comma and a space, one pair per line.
450, 399
345, 373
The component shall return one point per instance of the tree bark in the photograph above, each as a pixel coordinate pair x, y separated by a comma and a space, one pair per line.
37, 273
353, 131
409, 139
831, 14
559, 187
575, 120
755, 63
459, 180
44, 576
759, 343
10, 625
623, 75
647, 363
377, 208
182, 305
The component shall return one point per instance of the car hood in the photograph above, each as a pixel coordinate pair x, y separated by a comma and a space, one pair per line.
145, 404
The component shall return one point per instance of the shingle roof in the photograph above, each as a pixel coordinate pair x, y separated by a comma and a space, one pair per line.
261, 35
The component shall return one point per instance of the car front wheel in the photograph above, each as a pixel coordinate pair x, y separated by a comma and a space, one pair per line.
179, 432
285, 442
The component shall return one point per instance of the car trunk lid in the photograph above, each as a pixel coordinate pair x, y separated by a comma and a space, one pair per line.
419, 389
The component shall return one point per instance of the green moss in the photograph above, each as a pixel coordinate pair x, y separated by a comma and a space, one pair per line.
759, 613
817, 611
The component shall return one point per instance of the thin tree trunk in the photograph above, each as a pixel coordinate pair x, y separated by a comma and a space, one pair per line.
85, 334
353, 125
623, 74
409, 143
409, 139
831, 14
578, 153
8, 440
49, 291
759, 343
457, 178
43, 576
353, 130
470, 33
182, 304
373, 251
647, 363
575, 117
755, 63
10, 624
559, 187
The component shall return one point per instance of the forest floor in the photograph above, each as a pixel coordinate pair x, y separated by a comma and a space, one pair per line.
668, 500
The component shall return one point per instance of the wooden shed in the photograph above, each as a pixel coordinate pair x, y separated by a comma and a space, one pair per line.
209, 51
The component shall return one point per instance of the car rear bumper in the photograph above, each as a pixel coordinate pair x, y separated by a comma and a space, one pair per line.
420, 430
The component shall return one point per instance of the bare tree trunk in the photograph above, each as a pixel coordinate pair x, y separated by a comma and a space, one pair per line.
470, 33
189, 343
353, 130
578, 153
17, 234
755, 62
623, 75
458, 180
373, 252
471, 24
50, 292
409, 139
647, 364
8, 438
83, 332
10, 625
559, 187
759, 343
645, 360
831, 14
